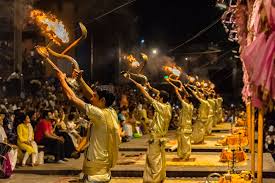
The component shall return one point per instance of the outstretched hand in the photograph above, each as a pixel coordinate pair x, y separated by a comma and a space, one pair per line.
148, 85
126, 75
77, 74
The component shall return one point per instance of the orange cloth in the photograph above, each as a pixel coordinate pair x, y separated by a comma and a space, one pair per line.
228, 155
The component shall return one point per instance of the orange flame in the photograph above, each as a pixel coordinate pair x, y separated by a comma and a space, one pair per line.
172, 70
132, 60
53, 28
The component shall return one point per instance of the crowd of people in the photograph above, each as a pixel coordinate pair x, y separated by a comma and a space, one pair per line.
43, 120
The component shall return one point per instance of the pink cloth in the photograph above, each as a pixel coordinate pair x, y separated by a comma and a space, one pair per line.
258, 57
246, 92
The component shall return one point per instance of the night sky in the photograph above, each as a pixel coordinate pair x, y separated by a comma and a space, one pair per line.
159, 22
163, 24
172, 22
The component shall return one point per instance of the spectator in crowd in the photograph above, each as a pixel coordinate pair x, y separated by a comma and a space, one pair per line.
34, 116
71, 129
122, 133
8, 125
61, 129
5, 147
26, 141
45, 135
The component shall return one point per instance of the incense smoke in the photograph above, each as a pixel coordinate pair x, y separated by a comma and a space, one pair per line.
154, 67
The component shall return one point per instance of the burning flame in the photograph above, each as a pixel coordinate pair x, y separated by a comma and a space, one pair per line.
53, 28
132, 60
173, 70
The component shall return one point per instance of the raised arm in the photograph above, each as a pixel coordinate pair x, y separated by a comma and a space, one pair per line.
195, 94
69, 92
182, 88
176, 89
85, 88
141, 88
156, 91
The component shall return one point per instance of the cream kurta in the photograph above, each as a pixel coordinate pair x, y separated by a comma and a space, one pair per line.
219, 109
155, 166
102, 152
199, 126
203, 110
210, 121
215, 112
184, 131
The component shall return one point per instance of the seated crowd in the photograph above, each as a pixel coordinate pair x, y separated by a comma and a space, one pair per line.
44, 126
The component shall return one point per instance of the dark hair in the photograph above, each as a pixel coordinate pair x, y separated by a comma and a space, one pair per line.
164, 95
22, 117
30, 113
107, 95
44, 114
71, 117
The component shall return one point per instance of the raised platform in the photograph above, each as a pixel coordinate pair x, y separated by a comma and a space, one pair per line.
168, 180
210, 144
200, 165
131, 164
222, 127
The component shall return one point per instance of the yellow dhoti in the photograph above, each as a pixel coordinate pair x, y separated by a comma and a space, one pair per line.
184, 144
209, 125
155, 165
198, 132
215, 121
99, 171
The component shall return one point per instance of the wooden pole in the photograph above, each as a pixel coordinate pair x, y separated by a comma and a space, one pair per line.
253, 141
248, 123
260, 146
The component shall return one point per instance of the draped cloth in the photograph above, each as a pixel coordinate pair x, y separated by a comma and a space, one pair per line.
210, 120
198, 132
184, 131
102, 153
259, 57
199, 127
155, 165
184, 145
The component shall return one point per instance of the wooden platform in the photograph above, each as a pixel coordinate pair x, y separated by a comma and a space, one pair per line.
222, 127
200, 165
203, 161
210, 144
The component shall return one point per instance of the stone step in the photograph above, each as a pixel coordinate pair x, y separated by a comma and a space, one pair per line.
131, 164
